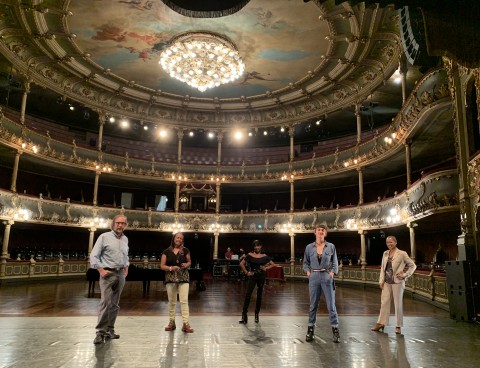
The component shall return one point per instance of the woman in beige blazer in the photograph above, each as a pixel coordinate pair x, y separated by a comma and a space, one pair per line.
397, 266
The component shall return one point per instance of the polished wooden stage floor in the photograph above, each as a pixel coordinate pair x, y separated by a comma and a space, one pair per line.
69, 298
51, 324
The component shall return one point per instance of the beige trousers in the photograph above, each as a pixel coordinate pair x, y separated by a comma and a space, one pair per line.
389, 291
181, 289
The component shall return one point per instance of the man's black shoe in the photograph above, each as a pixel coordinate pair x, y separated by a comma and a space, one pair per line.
111, 335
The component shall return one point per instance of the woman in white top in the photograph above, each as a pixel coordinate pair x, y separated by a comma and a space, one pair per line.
397, 266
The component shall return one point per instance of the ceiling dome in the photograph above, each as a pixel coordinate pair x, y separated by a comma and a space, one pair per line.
302, 60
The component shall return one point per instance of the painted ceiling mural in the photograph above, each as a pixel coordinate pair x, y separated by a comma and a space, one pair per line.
128, 36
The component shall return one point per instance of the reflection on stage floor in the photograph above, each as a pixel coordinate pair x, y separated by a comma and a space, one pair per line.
51, 324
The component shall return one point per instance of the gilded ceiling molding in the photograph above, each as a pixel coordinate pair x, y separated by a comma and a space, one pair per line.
96, 87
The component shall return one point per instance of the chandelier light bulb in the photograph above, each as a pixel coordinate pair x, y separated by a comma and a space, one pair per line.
202, 60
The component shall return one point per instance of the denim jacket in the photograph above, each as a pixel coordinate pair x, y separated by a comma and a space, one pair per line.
329, 258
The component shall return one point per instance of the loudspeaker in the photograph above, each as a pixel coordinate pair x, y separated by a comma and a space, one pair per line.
412, 33
463, 279
457, 275
461, 305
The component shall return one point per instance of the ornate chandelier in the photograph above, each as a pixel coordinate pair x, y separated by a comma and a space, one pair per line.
202, 60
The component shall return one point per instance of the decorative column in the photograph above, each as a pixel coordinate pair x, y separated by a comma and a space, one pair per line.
95, 187
91, 236
359, 123
101, 122
217, 203
13, 185
360, 185
403, 68
179, 151
219, 151
6, 238
466, 242
215, 245
26, 91
408, 161
177, 195
292, 195
292, 252
291, 133
411, 226
363, 253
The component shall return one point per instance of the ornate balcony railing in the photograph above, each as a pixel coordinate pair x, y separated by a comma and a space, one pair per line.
436, 192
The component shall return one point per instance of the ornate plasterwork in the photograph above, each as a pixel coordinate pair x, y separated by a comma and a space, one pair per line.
432, 91
435, 193
474, 181
53, 59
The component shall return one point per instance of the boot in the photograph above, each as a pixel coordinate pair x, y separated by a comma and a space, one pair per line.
336, 334
186, 328
244, 319
257, 319
310, 336
171, 325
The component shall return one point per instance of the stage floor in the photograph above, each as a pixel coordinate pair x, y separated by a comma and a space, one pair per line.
52, 325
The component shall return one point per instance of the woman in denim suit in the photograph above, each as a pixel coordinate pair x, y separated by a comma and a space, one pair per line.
320, 263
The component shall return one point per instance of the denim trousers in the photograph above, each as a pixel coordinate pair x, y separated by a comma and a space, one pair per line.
318, 283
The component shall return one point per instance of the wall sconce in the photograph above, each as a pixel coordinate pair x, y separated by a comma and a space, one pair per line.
351, 224
217, 179
176, 228
212, 199
394, 216
183, 198
288, 228
215, 227
21, 214
98, 222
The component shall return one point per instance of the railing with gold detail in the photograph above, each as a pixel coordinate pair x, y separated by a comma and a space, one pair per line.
429, 285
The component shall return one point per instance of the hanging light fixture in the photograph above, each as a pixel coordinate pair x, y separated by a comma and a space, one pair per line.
203, 60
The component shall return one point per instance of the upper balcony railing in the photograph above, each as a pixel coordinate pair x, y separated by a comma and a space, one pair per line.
431, 93
433, 193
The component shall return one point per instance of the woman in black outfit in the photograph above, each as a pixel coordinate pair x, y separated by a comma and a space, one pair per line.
255, 266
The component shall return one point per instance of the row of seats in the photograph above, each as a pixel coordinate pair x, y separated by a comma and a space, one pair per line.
56, 131
190, 155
